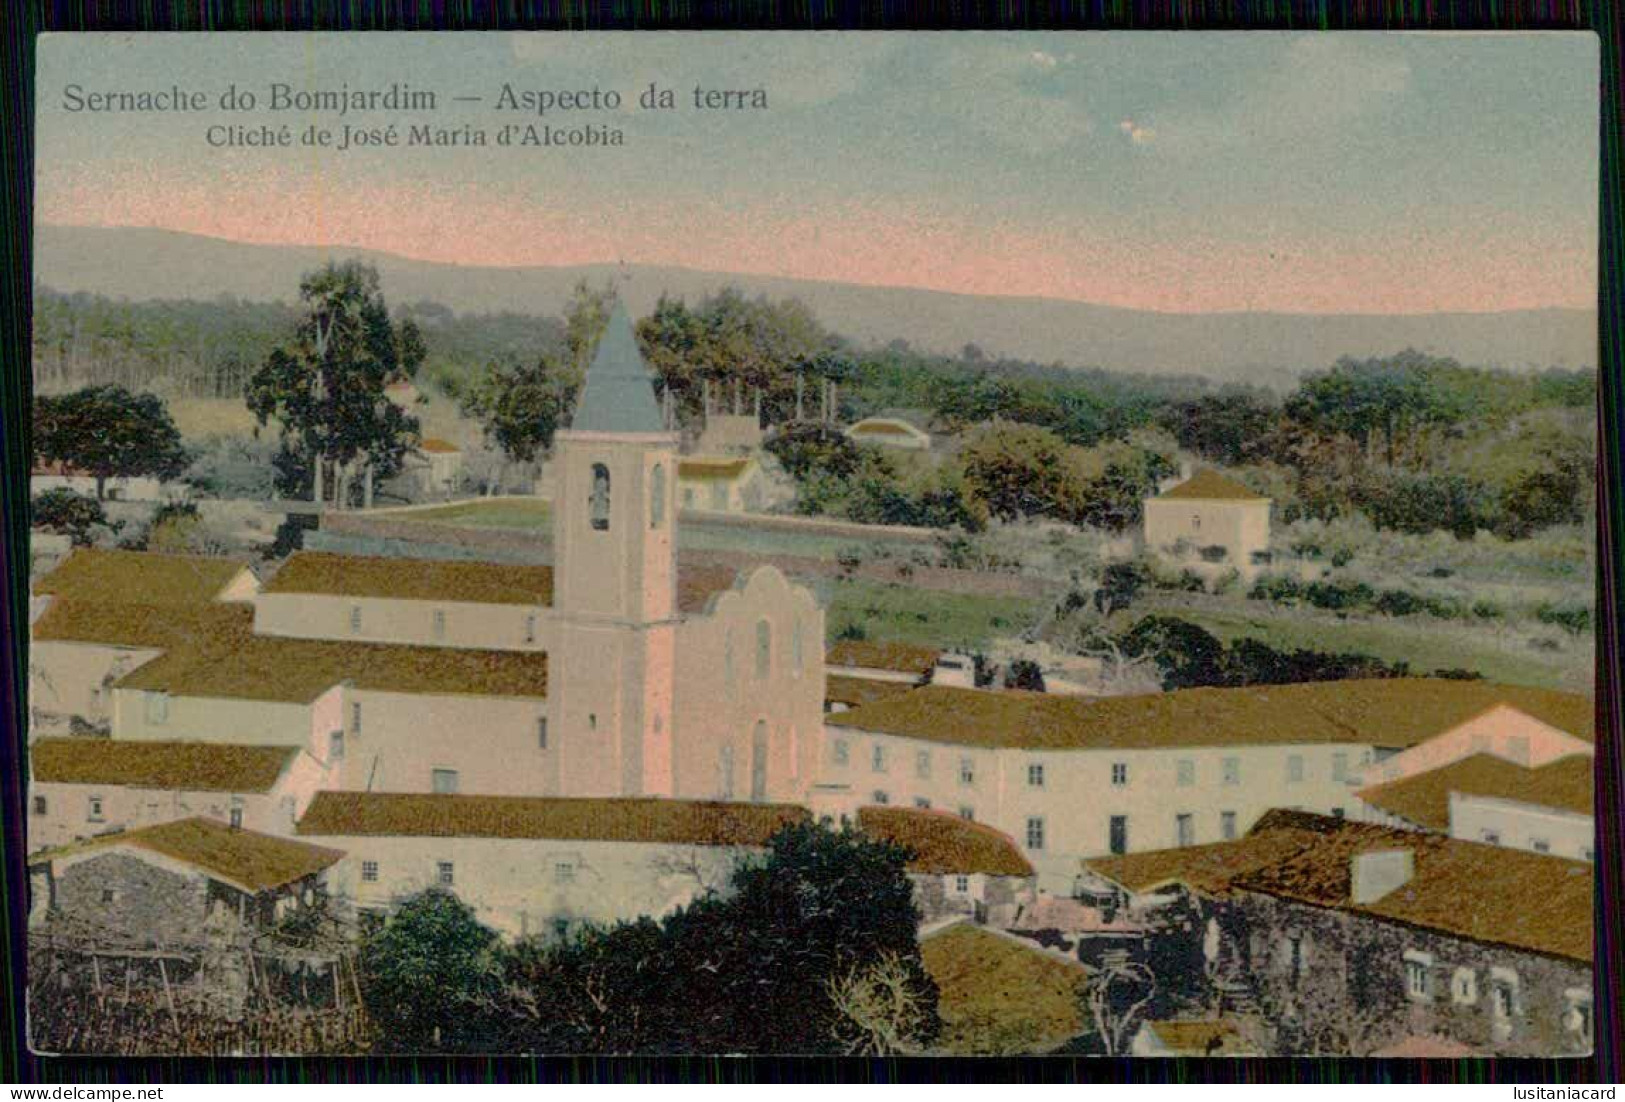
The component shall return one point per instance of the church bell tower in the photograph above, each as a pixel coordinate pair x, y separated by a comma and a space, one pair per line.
614, 579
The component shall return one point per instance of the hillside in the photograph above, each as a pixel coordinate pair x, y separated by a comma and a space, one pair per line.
1268, 349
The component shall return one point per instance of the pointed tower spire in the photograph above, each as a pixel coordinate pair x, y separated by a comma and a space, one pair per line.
618, 394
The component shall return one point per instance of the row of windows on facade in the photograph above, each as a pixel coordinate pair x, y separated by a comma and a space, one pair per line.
879, 761
96, 809
1491, 837
437, 623
564, 872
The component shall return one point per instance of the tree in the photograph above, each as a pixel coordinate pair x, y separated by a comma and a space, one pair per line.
107, 432
1115, 994
431, 975
1187, 655
808, 447
68, 514
879, 1009
1024, 673
326, 389
1020, 471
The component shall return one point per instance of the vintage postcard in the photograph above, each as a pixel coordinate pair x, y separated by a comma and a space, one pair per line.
813, 543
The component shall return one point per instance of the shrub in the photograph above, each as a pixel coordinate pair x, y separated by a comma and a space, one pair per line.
1573, 619
68, 514
1487, 610
1342, 557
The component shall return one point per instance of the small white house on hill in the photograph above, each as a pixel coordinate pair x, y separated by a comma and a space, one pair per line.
1210, 525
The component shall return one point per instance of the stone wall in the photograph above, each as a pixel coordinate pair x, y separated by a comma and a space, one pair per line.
134, 899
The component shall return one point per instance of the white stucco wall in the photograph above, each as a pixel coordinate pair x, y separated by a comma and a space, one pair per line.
1503, 731
1240, 527
221, 719
516, 885
483, 626
1523, 826
493, 743
75, 679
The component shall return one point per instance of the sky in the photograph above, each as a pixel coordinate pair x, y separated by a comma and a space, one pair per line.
1184, 172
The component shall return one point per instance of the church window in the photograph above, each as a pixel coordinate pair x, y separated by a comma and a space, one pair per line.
758, 763
764, 648
725, 767
657, 496
599, 501
795, 648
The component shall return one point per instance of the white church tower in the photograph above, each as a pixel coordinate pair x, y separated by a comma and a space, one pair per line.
611, 669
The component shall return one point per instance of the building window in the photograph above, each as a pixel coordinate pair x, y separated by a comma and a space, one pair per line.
1196, 523
564, 872
1337, 813
355, 619
1232, 770
157, 707
95, 812
728, 656
439, 624
39, 805
1119, 773
1490, 837
839, 751
1187, 772
598, 502
541, 732
335, 745
1578, 1017
877, 758
1035, 775
236, 818
1227, 825
592, 721
1464, 987
922, 764
1117, 834
967, 771
962, 885
1294, 768
1294, 953
657, 496
1184, 829
967, 813
725, 767
1340, 767
764, 648
1035, 833
796, 648
922, 803
444, 781
109, 895
530, 628
880, 797
1417, 966
1540, 845
1587, 853
446, 873
355, 718
1503, 993
369, 872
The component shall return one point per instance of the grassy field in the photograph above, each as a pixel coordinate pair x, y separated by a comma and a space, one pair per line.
901, 613
1500, 654
996, 997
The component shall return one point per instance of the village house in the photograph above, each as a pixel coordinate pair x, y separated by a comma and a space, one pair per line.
1355, 937
957, 867
1069, 777
534, 865
1210, 525
730, 434
81, 788
898, 662
438, 469
145, 488
163, 885
721, 484
1484, 798
889, 432
1555, 726
106, 613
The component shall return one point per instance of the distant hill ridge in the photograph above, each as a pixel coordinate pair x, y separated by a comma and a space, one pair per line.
1260, 348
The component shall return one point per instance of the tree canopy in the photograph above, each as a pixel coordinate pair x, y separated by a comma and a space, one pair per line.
108, 432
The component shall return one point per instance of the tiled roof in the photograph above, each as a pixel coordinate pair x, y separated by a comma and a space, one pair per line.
1389, 712
1209, 485
945, 844
711, 468
999, 995
1465, 889
264, 667
411, 579
859, 691
1209, 869
435, 444
140, 576
676, 822
69, 620
194, 766
245, 859
1424, 798
897, 657
696, 585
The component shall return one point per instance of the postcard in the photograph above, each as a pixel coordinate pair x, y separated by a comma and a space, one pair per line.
871, 544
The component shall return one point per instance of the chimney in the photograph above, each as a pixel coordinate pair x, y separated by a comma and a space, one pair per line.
1376, 874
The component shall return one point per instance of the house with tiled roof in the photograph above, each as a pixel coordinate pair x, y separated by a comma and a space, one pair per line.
882, 661
81, 788
957, 867
1352, 936
1486, 798
1530, 728
168, 887
438, 467
1209, 524
536, 865
721, 483
1068, 777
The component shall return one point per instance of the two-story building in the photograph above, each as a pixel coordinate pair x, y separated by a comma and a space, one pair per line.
1210, 525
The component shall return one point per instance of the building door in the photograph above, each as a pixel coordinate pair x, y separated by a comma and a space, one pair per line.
758, 763
1184, 830
1119, 834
